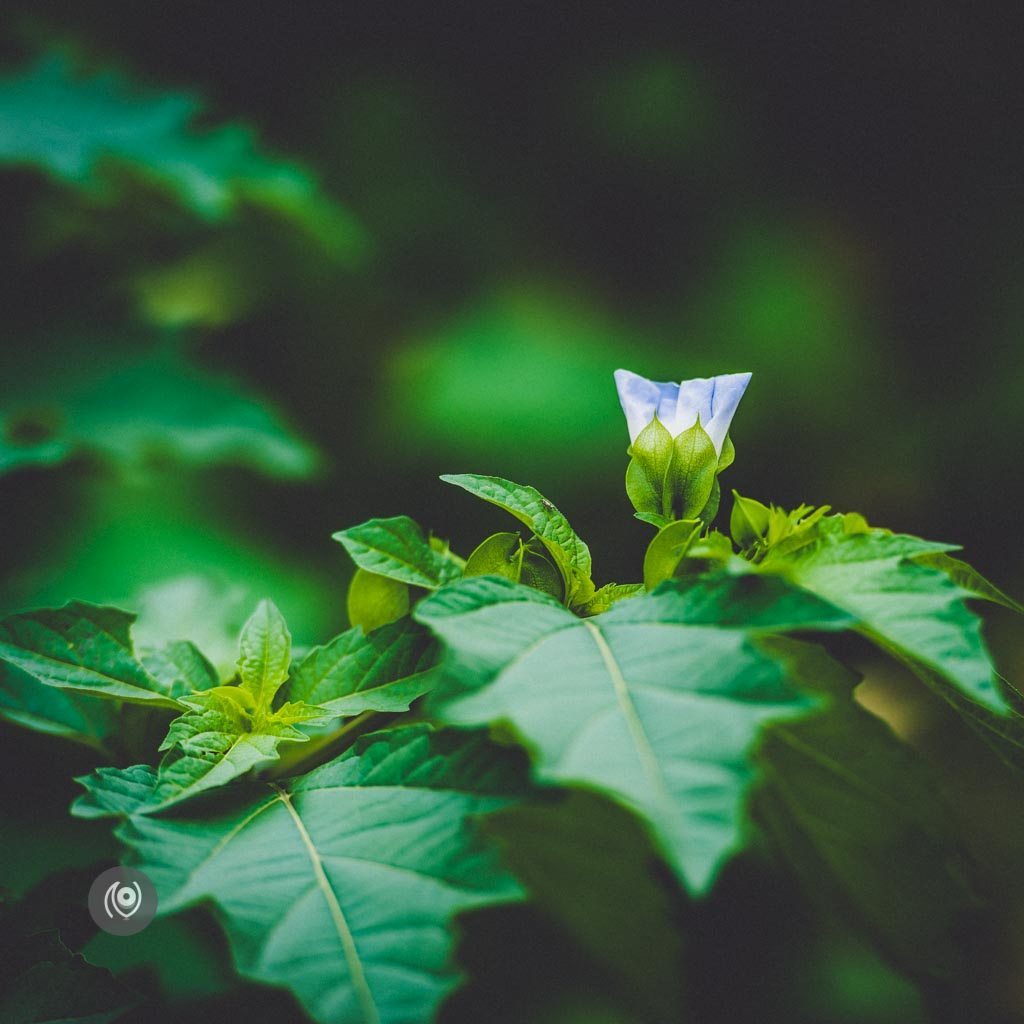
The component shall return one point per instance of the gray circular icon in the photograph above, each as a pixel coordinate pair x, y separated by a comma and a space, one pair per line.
122, 901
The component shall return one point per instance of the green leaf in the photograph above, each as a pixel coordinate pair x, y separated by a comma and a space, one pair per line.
861, 818
608, 595
691, 476
133, 409
396, 548
114, 792
968, 578
374, 601
42, 981
78, 127
372, 857
221, 738
654, 702
905, 607
84, 648
501, 554
265, 651
590, 865
32, 705
181, 668
666, 551
385, 670
531, 508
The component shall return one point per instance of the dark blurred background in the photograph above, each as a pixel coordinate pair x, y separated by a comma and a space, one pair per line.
383, 242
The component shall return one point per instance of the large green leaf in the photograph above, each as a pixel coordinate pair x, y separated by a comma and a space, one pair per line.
532, 509
76, 127
84, 648
907, 607
380, 671
589, 864
342, 885
862, 818
132, 408
655, 701
396, 548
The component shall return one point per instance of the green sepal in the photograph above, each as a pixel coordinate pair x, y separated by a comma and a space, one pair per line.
728, 456
374, 601
748, 522
501, 554
667, 550
653, 519
651, 460
539, 572
710, 510
691, 474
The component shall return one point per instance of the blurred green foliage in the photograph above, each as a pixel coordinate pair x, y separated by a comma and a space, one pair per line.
214, 356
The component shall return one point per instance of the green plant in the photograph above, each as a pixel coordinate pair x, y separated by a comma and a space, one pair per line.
500, 730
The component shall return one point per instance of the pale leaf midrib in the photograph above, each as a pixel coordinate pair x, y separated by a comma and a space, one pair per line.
367, 1003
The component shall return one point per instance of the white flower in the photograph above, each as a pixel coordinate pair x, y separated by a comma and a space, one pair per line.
713, 399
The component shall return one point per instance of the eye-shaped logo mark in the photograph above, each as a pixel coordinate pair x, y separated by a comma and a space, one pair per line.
122, 899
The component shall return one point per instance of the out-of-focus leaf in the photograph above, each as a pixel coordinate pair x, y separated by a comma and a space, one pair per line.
654, 702
32, 704
591, 865
862, 818
77, 127
374, 601
134, 408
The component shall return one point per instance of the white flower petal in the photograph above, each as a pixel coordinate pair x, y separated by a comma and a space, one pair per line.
641, 398
725, 397
713, 399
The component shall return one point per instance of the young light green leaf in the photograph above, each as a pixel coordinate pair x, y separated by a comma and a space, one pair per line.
666, 551
264, 653
385, 670
607, 596
181, 668
81, 647
654, 702
222, 737
372, 854
396, 548
902, 605
374, 601
531, 508
861, 817
968, 578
